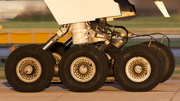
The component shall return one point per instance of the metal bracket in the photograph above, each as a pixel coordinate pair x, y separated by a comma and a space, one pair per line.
150, 43
162, 39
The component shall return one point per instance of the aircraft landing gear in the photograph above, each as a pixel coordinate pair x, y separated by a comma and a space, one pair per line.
85, 65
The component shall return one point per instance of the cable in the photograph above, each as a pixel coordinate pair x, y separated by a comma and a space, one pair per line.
153, 37
115, 33
100, 28
115, 26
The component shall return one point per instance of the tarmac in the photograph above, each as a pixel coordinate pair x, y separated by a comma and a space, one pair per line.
167, 91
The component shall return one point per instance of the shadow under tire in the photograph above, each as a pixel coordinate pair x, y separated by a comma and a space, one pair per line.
29, 69
167, 56
83, 68
138, 68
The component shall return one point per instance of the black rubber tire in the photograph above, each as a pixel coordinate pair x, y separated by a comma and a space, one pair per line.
167, 56
113, 52
32, 51
92, 53
138, 51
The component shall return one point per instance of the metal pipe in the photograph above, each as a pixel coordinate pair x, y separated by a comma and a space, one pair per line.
68, 43
53, 40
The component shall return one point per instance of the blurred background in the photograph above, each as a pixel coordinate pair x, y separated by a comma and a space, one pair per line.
32, 17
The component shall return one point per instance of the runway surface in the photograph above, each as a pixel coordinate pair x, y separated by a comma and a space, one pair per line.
167, 91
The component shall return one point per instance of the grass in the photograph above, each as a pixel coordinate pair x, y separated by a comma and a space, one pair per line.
137, 22
2, 75
29, 25
150, 22
176, 74
174, 43
142, 25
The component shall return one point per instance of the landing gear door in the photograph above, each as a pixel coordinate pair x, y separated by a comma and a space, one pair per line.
72, 11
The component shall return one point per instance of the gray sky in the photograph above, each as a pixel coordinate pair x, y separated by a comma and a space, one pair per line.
12, 8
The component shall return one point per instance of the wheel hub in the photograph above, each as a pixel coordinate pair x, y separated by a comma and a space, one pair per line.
28, 69
138, 69
83, 69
